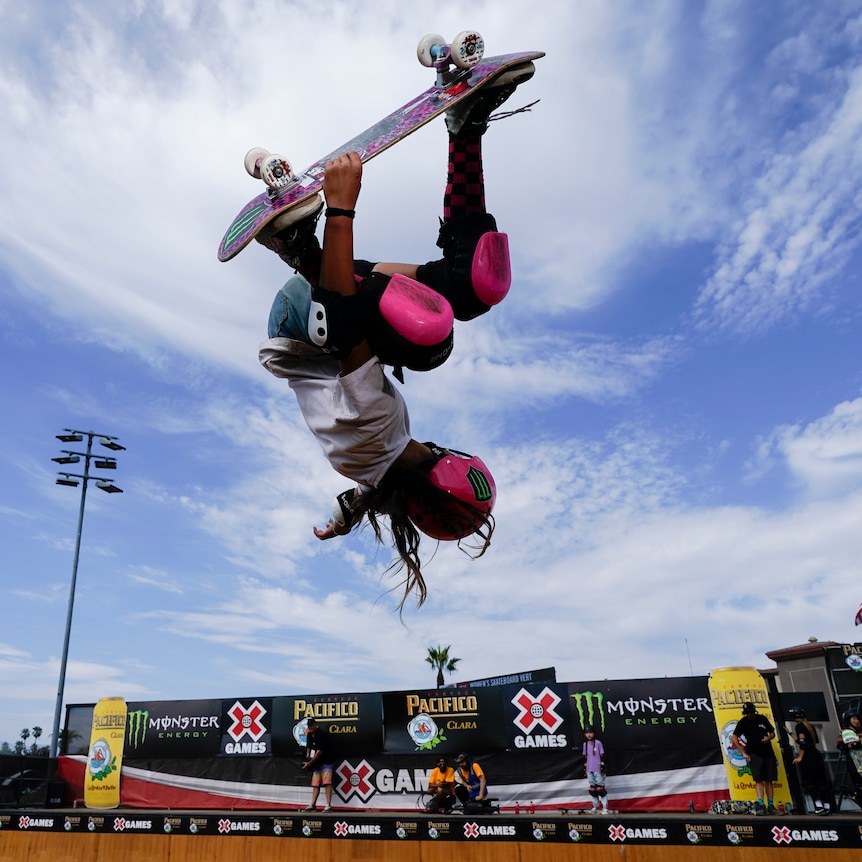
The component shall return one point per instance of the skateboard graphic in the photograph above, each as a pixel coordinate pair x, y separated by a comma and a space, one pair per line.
287, 189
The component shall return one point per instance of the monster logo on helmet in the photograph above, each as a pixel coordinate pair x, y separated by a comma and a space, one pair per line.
471, 496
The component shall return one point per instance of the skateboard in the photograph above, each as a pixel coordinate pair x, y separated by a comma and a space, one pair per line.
461, 68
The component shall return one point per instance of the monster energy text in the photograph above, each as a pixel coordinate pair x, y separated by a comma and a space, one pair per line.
168, 726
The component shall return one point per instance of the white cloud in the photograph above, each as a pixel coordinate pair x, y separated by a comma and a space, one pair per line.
798, 229
659, 128
823, 456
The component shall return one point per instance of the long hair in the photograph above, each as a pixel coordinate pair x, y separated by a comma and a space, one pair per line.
390, 498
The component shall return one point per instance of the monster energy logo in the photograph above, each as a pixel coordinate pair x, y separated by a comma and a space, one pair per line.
589, 705
137, 727
479, 481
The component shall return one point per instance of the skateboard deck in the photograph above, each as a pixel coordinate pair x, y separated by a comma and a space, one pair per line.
374, 140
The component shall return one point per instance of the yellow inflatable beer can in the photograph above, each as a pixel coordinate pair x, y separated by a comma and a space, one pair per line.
729, 689
107, 738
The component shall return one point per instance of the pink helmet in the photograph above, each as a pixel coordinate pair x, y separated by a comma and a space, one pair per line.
469, 484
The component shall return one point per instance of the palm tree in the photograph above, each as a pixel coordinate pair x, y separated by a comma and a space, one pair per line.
438, 657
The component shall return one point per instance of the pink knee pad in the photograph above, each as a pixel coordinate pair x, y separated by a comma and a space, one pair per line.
416, 312
491, 272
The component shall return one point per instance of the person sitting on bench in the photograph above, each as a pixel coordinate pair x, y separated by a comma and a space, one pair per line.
470, 783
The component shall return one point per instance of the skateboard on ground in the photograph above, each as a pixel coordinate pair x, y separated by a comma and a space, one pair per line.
461, 68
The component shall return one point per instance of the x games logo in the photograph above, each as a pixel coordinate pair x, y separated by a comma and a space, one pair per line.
537, 711
246, 721
354, 782
538, 722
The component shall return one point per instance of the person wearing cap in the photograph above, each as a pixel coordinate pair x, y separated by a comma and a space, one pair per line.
594, 767
319, 760
850, 745
753, 737
812, 768
441, 786
470, 782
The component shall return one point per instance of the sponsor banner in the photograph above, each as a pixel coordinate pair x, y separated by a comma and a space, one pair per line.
845, 666
538, 716
544, 675
573, 828
173, 728
354, 721
729, 689
246, 727
105, 756
645, 713
443, 721
646, 725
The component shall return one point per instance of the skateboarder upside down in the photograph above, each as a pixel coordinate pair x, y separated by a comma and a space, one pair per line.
338, 321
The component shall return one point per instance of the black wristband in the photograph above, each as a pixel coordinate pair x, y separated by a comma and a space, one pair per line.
337, 211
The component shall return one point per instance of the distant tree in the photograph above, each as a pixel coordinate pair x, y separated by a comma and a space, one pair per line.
35, 750
439, 659
68, 740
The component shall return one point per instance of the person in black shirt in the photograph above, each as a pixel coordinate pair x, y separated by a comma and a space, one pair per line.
319, 759
812, 769
753, 736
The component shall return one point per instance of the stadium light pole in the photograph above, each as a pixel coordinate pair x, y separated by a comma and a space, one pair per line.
101, 462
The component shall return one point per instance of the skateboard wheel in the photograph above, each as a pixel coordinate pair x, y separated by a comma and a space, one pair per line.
429, 48
252, 161
276, 171
468, 47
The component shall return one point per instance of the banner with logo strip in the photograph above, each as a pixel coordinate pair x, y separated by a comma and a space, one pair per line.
637, 831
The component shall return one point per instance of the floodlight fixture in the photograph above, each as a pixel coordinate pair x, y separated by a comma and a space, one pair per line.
107, 486
72, 483
70, 437
67, 459
111, 443
107, 464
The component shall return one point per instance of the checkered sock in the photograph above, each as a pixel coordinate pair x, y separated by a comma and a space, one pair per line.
465, 181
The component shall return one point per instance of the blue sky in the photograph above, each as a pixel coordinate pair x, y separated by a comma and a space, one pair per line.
670, 398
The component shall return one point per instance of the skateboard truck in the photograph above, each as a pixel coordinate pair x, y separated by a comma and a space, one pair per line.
466, 50
275, 170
